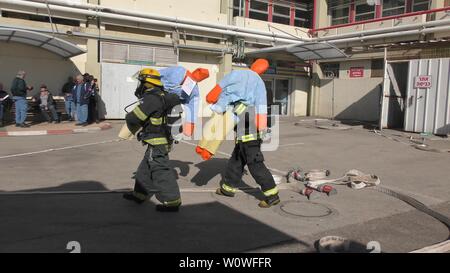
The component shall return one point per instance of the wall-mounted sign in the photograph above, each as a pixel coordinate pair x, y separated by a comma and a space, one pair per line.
422, 81
356, 72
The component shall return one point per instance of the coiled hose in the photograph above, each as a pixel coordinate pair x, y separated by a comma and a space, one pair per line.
416, 204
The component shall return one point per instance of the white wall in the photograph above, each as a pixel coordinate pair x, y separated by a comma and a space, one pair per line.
344, 68
202, 10
192, 61
299, 96
42, 66
357, 99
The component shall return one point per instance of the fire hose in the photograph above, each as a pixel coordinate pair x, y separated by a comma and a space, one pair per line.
317, 180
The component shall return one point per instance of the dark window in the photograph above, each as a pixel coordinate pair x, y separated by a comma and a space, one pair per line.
281, 10
258, 16
377, 68
40, 18
281, 20
281, 14
259, 10
364, 12
257, 5
419, 5
393, 7
302, 18
330, 70
238, 10
338, 11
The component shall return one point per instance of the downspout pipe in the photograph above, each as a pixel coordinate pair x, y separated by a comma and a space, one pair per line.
163, 18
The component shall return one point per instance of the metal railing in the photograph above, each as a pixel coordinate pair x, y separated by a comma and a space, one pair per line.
394, 17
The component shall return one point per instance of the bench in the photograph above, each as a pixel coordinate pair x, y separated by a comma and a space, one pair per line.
34, 113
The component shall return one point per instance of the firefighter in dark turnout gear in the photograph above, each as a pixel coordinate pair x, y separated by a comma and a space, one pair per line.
154, 176
247, 151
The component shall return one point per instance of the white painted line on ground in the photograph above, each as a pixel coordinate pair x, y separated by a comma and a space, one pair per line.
182, 190
27, 133
290, 144
80, 130
60, 149
228, 155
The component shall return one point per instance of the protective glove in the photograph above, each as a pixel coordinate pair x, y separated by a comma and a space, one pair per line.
203, 153
261, 122
213, 95
188, 129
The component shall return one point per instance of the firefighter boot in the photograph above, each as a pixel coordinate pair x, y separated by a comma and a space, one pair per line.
222, 192
226, 190
171, 206
139, 198
269, 201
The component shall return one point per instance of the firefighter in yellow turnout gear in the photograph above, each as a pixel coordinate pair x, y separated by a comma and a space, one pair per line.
247, 151
154, 176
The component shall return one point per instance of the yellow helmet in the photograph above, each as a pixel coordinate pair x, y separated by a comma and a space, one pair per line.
150, 75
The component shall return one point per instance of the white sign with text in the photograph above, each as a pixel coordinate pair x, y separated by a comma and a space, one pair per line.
188, 85
422, 81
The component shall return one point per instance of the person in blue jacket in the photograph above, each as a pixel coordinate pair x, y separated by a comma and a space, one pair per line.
173, 79
81, 93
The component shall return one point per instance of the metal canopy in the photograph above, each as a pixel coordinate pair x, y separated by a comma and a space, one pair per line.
307, 51
53, 44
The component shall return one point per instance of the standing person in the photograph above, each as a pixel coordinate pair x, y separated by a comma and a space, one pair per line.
4, 103
87, 78
93, 101
154, 174
80, 95
19, 90
46, 103
68, 98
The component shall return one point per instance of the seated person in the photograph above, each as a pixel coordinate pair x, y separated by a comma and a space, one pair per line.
46, 103
5, 103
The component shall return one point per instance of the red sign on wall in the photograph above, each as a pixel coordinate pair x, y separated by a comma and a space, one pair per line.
356, 72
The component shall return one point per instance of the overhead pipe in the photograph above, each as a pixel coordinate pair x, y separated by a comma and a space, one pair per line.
359, 39
394, 34
163, 18
410, 14
84, 10
257, 32
37, 5
362, 34
117, 39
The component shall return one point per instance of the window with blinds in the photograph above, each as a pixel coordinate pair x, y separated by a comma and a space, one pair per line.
138, 54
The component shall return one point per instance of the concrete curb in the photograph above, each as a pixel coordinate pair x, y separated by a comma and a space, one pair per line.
102, 127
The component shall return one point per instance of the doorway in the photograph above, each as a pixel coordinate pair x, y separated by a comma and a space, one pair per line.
278, 94
394, 95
